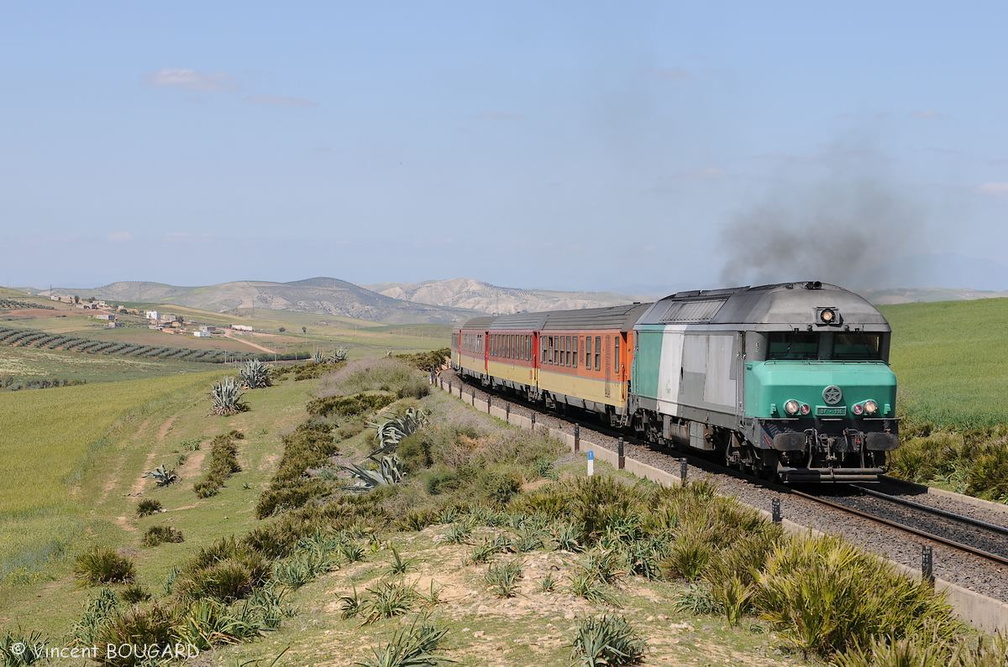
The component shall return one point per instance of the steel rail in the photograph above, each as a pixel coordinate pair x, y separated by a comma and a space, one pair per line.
907, 529
993, 527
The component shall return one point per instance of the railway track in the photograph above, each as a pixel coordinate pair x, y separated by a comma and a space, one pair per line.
986, 540
966, 568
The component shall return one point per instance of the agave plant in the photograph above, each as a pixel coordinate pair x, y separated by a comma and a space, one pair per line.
255, 374
226, 396
162, 475
390, 433
390, 471
339, 354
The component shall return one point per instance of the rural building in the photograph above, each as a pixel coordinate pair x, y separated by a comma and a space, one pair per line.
202, 334
152, 315
108, 317
241, 327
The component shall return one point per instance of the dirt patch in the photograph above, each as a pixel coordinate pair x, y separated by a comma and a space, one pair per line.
165, 427
125, 524
190, 469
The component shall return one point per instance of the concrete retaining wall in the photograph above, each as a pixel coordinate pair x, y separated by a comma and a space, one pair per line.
978, 610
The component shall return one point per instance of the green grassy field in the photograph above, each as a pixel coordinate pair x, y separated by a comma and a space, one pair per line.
951, 361
73, 460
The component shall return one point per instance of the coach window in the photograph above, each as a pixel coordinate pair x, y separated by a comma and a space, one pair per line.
616, 354
575, 353
598, 353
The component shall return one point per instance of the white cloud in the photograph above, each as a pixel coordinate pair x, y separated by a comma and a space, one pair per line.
120, 237
190, 79
994, 189
280, 101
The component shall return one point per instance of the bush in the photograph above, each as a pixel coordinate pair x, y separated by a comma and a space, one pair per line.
442, 480
148, 628
827, 597
498, 487
503, 578
148, 506
226, 571
156, 535
607, 640
348, 406
223, 464
102, 565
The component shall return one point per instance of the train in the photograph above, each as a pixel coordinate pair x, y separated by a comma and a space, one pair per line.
788, 381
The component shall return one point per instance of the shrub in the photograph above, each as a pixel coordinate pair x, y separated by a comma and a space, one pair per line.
96, 611
223, 464
102, 565
134, 593
148, 506
503, 578
13, 651
598, 503
348, 406
827, 596
387, 600
499, 487
227, 571
156, 535
442, 480
149, 628
607, 640
410, 646
209, 623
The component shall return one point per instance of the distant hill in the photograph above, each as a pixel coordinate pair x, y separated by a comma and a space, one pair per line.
471, 294
927, 295
314, 295
432, 301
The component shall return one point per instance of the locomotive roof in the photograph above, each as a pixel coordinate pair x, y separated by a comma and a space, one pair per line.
780, 304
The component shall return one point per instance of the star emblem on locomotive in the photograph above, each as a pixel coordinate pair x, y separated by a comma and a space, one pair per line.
832, 394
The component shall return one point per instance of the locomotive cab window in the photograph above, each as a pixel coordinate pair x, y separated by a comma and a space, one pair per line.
793, 345
838, 346
857, 346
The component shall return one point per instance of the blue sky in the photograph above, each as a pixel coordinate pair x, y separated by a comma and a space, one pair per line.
571, 145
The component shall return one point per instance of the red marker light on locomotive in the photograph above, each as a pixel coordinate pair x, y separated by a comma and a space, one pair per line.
805, 409
857, 409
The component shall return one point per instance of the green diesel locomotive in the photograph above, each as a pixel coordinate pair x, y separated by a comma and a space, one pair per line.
789, 380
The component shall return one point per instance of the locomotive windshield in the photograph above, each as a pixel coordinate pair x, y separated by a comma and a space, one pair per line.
839, 346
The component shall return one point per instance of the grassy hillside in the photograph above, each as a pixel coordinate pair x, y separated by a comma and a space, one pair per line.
951, 361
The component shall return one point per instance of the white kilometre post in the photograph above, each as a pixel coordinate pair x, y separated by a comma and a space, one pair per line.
591, 462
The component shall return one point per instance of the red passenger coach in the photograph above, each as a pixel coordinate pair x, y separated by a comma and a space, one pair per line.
585, 357
577, 358
469, 347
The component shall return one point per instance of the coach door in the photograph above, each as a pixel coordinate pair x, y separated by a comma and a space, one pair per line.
607, 364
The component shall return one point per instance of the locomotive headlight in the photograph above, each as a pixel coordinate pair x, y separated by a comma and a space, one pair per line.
792, 407
827, 315
870, 407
